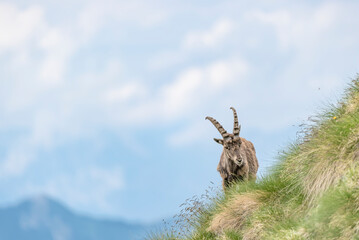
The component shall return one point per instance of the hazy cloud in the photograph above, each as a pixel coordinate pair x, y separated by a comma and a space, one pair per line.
18, 27
210, 38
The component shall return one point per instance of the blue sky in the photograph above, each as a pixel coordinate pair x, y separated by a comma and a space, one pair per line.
102, 103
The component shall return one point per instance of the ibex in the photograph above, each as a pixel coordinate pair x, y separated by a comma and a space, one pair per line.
238, 160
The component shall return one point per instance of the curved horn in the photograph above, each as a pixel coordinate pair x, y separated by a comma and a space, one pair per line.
219, 127
236, 128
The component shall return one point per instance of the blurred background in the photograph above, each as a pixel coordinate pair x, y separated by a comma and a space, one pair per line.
103, 102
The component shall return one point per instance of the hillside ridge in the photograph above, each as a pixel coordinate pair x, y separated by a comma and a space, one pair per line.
311, 193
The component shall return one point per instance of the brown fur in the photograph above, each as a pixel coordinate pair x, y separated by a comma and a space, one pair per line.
238, 160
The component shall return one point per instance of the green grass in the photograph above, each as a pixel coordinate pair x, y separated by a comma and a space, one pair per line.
311, 193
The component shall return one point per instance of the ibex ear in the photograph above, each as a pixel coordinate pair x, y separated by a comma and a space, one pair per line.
220, 141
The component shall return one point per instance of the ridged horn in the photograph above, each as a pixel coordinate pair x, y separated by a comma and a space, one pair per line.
219, 127
236, 127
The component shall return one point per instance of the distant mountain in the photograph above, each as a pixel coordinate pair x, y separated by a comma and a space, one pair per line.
43, 218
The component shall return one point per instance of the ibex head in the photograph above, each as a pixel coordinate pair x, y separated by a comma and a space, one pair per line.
231, 142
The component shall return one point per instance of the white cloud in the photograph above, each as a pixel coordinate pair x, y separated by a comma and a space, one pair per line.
196, 87
58, 47
139, 12
91, 18
190, 90
38, 59
142, 12
124, 93
182, 93
223, 73
16, 161
17, 27
300, 27
210, 38
167, 59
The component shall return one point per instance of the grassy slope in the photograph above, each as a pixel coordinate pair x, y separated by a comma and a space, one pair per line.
312, 193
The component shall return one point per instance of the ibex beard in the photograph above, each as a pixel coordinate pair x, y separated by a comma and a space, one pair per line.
238, 160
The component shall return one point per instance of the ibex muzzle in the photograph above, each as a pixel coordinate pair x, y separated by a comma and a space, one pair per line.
238, 160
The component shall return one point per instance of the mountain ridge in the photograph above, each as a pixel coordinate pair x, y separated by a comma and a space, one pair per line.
43, 217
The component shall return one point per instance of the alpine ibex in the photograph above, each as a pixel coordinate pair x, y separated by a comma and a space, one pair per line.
238, 160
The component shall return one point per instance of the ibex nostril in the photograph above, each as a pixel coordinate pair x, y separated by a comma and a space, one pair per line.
237, 150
